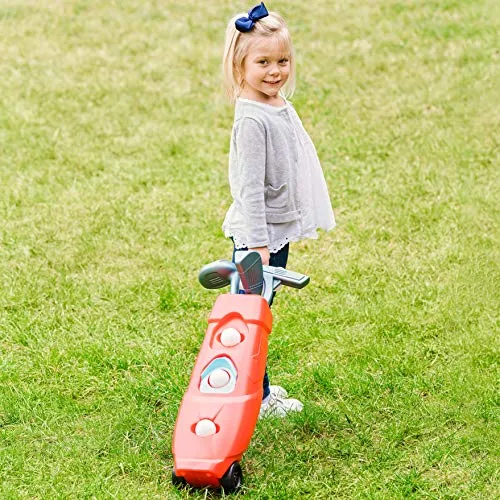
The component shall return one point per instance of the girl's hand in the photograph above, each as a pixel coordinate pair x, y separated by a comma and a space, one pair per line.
264, 254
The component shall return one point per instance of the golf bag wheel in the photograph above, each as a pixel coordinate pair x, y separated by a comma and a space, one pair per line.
232, 480
178, 481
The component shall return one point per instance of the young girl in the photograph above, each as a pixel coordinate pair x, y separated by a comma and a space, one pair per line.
278, 189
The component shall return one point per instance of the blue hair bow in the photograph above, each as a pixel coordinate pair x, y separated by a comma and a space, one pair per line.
245, 24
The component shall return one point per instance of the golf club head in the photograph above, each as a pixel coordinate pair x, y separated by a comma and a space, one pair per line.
217, 274
249, 266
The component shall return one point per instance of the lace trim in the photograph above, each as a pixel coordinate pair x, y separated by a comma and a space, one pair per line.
275, 246
238, 242
278, 245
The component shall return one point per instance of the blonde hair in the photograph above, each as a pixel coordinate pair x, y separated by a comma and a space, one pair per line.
237, 47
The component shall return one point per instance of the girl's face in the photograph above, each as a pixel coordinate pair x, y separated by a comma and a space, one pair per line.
266, 69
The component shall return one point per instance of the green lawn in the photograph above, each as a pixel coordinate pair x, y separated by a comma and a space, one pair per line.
114, 136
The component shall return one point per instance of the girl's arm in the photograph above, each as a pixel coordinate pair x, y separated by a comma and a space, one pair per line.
251, 158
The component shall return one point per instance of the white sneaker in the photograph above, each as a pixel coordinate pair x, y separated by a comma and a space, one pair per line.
279, 391
276, 406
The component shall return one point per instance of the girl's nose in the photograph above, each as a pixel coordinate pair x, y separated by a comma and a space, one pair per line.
274, 70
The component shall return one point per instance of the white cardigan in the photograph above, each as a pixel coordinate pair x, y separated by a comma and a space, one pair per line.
277, 184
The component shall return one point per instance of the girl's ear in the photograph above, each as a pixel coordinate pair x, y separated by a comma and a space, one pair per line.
241, 76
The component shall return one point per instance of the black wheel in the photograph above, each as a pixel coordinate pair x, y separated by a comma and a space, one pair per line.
232, 480
178, 481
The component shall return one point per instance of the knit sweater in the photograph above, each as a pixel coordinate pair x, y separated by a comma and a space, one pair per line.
277, 185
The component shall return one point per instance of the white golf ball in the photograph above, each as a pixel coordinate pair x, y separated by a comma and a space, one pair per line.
219, 378
230, 337
205, 427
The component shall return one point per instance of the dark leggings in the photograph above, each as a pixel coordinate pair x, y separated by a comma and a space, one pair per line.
278, 259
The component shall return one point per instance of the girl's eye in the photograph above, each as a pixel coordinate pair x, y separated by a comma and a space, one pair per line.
283, 61
263, 61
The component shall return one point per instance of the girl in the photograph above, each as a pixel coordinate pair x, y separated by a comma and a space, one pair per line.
278, 189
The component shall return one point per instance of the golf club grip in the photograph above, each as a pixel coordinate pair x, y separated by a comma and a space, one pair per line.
288, 278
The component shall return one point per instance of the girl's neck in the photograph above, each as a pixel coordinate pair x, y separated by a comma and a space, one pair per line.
276, 101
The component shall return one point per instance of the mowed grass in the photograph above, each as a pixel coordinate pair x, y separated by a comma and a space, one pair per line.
114, 137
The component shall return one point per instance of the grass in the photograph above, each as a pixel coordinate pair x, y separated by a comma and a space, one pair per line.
114, 137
